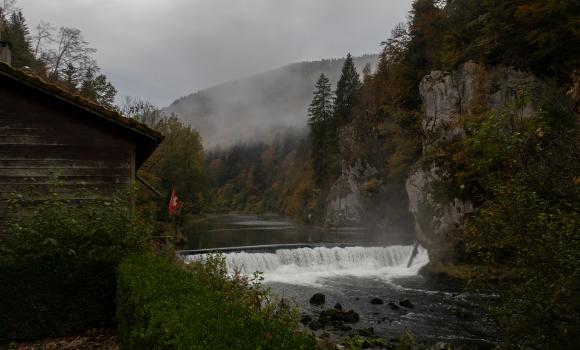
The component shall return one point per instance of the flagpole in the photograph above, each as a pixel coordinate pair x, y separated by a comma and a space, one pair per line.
175, 217
175, 214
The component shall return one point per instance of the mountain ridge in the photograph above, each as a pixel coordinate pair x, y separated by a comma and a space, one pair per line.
255, 108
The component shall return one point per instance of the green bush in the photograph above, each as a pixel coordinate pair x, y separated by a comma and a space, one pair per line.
161, 305
528, 223
57, 268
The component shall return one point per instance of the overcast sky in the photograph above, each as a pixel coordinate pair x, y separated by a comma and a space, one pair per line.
164, 49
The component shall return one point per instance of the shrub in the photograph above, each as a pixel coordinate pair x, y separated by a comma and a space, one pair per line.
163, 306
57, 268
527, 222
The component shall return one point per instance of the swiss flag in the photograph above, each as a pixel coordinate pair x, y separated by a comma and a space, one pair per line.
173, 203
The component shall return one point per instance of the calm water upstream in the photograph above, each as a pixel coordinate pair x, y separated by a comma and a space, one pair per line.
373, 265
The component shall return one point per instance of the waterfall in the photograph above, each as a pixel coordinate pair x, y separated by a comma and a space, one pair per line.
323, 261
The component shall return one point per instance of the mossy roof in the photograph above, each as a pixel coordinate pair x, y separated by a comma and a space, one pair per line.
147, 138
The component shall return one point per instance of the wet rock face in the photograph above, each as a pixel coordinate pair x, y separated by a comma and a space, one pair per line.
447, 98
345, 203
433, 219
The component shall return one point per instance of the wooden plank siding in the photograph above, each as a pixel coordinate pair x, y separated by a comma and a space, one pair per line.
43, 139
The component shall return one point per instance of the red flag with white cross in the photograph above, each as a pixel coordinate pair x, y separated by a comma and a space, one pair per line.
173, 203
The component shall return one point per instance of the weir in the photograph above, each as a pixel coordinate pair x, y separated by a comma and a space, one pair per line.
265, 248
301, 259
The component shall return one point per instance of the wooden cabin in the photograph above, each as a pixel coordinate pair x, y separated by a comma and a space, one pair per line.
51, 138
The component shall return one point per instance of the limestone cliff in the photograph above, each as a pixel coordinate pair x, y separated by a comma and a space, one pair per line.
448, 98
345, 205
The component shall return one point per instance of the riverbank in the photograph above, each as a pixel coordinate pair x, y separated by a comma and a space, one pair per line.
469, 272
93, 339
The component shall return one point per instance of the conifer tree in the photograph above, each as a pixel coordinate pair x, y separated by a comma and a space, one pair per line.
97, 88
319, 120
17, 33
320, 110
346, 89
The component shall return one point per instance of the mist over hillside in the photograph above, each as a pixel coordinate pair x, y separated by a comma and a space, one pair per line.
259, 107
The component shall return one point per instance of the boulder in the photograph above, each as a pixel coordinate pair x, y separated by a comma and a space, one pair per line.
306, 319
318, 299
345, 328
334, 316
338, 306
406, 303
368, 332
462, 313
350, 316
315, 325
377, 301
393, 306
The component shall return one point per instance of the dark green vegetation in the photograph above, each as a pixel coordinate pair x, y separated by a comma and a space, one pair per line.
57, 268
163, 306
525, 175
66, 268
176, 164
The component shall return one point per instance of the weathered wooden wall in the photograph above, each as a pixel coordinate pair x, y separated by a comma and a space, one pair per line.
48, 145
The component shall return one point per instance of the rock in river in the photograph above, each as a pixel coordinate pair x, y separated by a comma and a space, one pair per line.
336, 316
406, 303
377, 301
393, 306
315, 325
318, 299
305, 319
369, 332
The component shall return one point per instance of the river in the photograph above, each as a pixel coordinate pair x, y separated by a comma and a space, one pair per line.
351, 266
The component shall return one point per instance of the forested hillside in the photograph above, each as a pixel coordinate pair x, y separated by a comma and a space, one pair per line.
472, 120
258, 107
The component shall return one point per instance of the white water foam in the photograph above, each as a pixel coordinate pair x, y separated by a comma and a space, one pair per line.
310, 265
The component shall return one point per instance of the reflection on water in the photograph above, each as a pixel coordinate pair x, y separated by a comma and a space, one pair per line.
244, 230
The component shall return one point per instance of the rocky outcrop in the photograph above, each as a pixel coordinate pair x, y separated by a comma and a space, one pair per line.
448, 98
345, 199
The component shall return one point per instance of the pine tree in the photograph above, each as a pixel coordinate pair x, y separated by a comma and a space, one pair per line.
320, 110
98, 88
346, 90
18, 35
320, 114
70, 78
